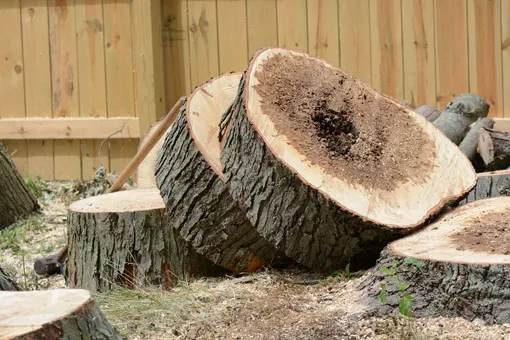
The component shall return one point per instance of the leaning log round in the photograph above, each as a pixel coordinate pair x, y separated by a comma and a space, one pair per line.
457, 266
126, 238
328, 169
53, 314
190, 177
16, 199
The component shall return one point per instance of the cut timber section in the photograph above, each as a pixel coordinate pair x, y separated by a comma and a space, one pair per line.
68, 128
126, 238
460, 266
323, 207
16, 199
145, 173
191, 181
53, 314
489, 184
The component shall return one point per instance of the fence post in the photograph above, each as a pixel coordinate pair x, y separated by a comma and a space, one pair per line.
148, 62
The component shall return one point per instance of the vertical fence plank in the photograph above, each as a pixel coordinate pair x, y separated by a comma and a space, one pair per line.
485, 63
148, 61
176, 50
36, 54
419, 52
203, 35
118, 51
355, 38
323, 40
451, 50
12, 86
386, 39
91, 70
65, 87
292, 26
262, 25
505, 46
232, 35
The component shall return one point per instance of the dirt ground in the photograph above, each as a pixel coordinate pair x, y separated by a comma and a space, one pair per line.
269, 304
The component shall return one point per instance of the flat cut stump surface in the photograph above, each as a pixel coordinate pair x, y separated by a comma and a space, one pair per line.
126, 238
465, 260
53, 314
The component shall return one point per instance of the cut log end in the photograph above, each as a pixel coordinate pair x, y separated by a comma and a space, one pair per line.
457, 266
190, 177
126, 238
53, 314
341, 165
16, 199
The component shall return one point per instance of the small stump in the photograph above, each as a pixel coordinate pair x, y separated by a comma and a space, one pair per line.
191, 180
127, 238
458, 266
53, 314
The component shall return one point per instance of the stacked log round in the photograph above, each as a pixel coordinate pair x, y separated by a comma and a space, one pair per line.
191, 181
53, 314
328, 169
126, 238
457, 266
16, 199
488, 185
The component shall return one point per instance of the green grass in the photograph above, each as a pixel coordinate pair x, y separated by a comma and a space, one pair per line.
16, 235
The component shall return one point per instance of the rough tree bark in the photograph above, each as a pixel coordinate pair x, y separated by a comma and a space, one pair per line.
53, 314
469, 144
190, 178
458, 115
429, 112
489, 184
126, 238
16, 200
454, 280
6, 281
494, 149
319, 221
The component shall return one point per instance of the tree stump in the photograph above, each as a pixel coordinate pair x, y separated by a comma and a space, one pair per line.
145, 173
53, 314
6, 281
126, 238
457, 266
328, 169
458, 116
495, 149
190, 177
488, 185
16, 199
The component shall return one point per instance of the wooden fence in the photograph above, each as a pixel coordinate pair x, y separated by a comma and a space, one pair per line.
132, 59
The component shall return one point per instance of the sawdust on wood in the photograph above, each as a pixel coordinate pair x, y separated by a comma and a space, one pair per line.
340, 126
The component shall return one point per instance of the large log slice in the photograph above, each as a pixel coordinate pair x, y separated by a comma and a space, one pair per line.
145, 173
190, 177
457, 266
328, 169
489, 184
126, 238
16, 200
53, 314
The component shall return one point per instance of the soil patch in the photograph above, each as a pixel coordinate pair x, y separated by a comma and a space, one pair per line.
342, 127
487, 233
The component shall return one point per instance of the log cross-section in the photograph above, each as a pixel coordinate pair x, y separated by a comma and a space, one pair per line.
328, 169
190, 177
